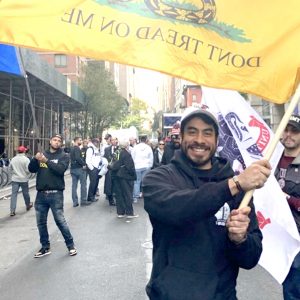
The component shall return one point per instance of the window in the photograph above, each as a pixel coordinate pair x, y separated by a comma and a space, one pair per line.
60, 60
194, 98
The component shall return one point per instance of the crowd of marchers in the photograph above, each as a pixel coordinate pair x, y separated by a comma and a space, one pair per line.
122, 163
185, 188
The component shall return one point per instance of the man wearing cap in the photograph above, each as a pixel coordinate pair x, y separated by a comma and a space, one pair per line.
200, 237
50, 167
19, 178
288, 176
172, 145
170, 149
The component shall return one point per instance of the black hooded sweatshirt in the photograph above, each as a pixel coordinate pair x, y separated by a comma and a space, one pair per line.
50, 175
193, 257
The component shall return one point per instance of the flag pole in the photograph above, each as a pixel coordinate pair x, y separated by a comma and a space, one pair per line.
36, 129
275, 139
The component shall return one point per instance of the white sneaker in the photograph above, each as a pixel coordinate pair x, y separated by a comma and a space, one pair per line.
132, 216
72, 251
121, 216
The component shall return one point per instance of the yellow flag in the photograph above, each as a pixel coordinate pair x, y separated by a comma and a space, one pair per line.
251, 46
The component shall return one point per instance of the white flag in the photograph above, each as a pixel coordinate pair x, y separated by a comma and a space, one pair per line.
244, 138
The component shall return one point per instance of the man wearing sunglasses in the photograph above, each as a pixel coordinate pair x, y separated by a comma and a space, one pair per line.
158, 154
170, 149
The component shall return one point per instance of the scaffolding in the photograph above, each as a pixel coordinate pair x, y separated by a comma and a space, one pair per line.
56, 106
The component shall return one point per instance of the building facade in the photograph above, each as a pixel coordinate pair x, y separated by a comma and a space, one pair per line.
32, 108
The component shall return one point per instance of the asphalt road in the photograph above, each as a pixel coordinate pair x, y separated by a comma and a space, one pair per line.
113, 261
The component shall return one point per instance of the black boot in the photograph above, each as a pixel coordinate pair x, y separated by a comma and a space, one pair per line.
111, 201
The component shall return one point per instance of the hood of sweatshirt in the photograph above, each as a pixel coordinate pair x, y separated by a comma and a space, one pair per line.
220, 170
53, 155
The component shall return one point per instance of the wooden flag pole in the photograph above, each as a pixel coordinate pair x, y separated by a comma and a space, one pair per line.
275, 140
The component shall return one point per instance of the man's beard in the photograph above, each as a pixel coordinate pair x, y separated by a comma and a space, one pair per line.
54, 149
196, 162
176, 145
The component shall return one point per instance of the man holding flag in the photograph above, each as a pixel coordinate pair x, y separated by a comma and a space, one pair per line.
287, 174
200, 238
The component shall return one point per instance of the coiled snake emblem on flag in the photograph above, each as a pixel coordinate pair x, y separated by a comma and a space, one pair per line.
202, 15
196, 13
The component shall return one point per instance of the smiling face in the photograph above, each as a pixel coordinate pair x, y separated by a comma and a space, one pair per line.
199, 142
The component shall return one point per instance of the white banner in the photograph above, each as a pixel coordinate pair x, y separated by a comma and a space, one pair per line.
244, 138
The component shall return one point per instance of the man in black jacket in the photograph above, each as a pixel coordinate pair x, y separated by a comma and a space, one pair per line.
123, 181
200, 237
78, 173
50, 167
170, 149
287, 174
110, 154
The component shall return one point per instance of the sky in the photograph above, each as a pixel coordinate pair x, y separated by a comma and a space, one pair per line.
146, 85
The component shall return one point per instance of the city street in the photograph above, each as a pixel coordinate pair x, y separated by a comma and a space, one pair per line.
113, 261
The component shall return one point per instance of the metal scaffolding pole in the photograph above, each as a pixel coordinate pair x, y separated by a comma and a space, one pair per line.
51, 118
44, 116
36, 129
23, 116
10, 120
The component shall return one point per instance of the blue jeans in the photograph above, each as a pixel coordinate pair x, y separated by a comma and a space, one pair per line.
140, 173
15, 186
291, 285
55, 202
78, 174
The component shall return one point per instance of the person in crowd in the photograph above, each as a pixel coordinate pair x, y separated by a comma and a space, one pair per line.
132, 143
142, 155
50, 167
28, 152
124, 180
19, 179
107, 143
110, 153
158, 154
153, 143
170, 149
83, 148
200, 235
287, 175
78, 173
93, 161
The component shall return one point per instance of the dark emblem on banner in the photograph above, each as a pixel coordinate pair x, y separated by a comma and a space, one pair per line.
201, 13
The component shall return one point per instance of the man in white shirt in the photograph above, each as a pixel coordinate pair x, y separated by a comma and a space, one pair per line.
142, 155
93, 160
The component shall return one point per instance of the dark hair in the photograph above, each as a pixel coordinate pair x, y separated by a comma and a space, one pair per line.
143, 138
76, 138
207, 117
